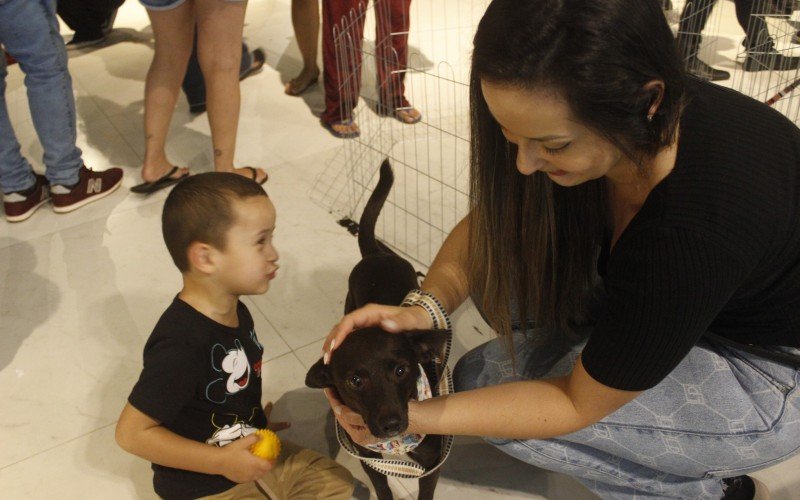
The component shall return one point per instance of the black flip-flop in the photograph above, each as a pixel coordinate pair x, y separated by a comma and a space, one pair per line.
259, 57
165, 180
254, 174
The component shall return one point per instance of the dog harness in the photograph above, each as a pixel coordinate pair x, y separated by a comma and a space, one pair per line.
399, 445
399, 466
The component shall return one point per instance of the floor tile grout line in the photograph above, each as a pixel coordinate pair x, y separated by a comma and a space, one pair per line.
58, 445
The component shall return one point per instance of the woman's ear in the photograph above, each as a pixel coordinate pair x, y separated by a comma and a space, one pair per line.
201, 257
655, 88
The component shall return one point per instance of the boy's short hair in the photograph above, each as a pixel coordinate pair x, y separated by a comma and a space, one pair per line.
199, 208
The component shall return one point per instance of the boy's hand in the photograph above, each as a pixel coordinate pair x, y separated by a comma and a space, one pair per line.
241, 466
274, 426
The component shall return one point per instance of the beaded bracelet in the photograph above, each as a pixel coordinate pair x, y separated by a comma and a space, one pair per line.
429, 302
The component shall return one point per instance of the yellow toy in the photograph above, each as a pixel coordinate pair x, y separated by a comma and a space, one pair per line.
268, 447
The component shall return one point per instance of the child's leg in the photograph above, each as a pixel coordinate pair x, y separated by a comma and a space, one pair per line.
244, 491
301, 473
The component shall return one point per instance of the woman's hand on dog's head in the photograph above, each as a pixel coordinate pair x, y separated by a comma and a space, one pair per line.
393, 319
350, 421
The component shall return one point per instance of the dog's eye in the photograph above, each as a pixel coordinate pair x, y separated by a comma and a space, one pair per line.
355, 381
400, 370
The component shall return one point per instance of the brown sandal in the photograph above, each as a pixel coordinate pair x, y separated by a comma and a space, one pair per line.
254, 174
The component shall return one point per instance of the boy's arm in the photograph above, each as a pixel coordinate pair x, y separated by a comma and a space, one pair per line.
139, 434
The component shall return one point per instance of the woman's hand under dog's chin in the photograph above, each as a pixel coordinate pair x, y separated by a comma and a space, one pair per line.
350, 421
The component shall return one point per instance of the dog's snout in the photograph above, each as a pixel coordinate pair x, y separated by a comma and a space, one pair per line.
391, 426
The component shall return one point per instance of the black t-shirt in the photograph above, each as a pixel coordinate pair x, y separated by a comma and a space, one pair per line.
716, 246
201, 380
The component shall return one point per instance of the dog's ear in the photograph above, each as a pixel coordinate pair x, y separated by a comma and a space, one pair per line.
319, 376
427, 344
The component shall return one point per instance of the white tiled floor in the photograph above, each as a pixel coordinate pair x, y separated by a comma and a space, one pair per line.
81, 292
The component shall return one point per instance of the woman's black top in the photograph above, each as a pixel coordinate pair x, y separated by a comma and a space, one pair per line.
716, 246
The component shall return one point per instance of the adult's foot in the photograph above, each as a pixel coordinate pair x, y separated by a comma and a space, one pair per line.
744, 488
345, 129
303, 81
257, 59
703, 71
253, 173
409, 116
152, 173
91, 186
20, 205
405, 113
166, 180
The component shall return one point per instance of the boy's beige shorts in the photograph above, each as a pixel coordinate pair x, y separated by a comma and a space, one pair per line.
299, 474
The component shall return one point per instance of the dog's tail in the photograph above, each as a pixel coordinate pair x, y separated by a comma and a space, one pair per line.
366, 231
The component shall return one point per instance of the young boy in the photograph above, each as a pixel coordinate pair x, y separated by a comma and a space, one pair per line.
197, 403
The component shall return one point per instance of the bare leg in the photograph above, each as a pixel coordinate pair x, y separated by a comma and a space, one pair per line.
305, 19
173, 30
219, 51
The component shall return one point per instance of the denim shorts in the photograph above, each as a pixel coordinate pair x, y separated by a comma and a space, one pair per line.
168, 4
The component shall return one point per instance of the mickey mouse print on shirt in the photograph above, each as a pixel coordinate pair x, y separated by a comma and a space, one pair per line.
234, 370
235, 428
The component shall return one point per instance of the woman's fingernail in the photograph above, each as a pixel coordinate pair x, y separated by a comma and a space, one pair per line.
333, 344
337, 410
326, 358
390, 323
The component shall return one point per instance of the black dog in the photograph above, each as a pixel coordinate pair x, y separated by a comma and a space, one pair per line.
375, 372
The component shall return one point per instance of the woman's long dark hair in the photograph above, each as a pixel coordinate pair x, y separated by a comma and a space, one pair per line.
531, 241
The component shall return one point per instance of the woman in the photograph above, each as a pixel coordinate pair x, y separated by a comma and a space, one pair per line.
593, 154
219, 41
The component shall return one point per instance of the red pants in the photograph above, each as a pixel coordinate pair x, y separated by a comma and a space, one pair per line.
343, 78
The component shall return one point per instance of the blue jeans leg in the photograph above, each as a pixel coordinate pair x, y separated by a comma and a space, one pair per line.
720, 413
16, 173
29, 31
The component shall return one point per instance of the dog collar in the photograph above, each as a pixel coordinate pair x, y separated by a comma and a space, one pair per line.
404, 443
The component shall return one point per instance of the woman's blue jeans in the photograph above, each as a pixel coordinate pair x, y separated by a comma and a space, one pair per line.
29, 32
720, 413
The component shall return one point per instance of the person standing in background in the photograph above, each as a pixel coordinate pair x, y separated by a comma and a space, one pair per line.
305, 19
29, 31
219, 44
91, 20
391, 57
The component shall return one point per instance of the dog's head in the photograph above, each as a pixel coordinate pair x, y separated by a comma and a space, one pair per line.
375, 374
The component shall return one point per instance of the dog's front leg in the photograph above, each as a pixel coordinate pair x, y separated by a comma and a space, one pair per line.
427, 454
427, 485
